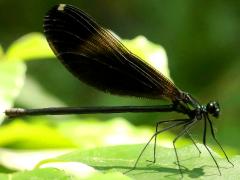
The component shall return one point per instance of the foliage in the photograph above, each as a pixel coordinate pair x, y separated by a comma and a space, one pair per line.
116, 161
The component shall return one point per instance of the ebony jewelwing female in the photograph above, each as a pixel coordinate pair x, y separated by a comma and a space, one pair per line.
97, 58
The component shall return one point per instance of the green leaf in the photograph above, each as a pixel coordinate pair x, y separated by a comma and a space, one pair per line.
12, 75
30, 46
82, 171
56, 174
40, 133
37, 174
20, 134
64, 132
90, 133
122, 159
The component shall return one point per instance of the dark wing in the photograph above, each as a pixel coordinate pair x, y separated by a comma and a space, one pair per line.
97, 58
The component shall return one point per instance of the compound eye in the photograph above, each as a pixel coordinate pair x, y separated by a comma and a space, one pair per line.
213, 108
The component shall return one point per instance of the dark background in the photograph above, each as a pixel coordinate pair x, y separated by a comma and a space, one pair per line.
201, 39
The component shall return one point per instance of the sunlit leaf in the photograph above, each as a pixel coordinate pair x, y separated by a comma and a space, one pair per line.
12, 75
20, 134
90, 133
21, 160
122, 159
82, 171
56, 174
38, 174
30, 46
82, 133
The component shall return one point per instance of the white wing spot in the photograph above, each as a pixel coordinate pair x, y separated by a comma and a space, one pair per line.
61, 7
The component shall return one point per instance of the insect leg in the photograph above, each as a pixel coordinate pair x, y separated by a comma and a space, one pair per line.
215, 139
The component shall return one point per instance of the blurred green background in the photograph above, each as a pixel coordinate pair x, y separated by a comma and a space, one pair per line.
201, 39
